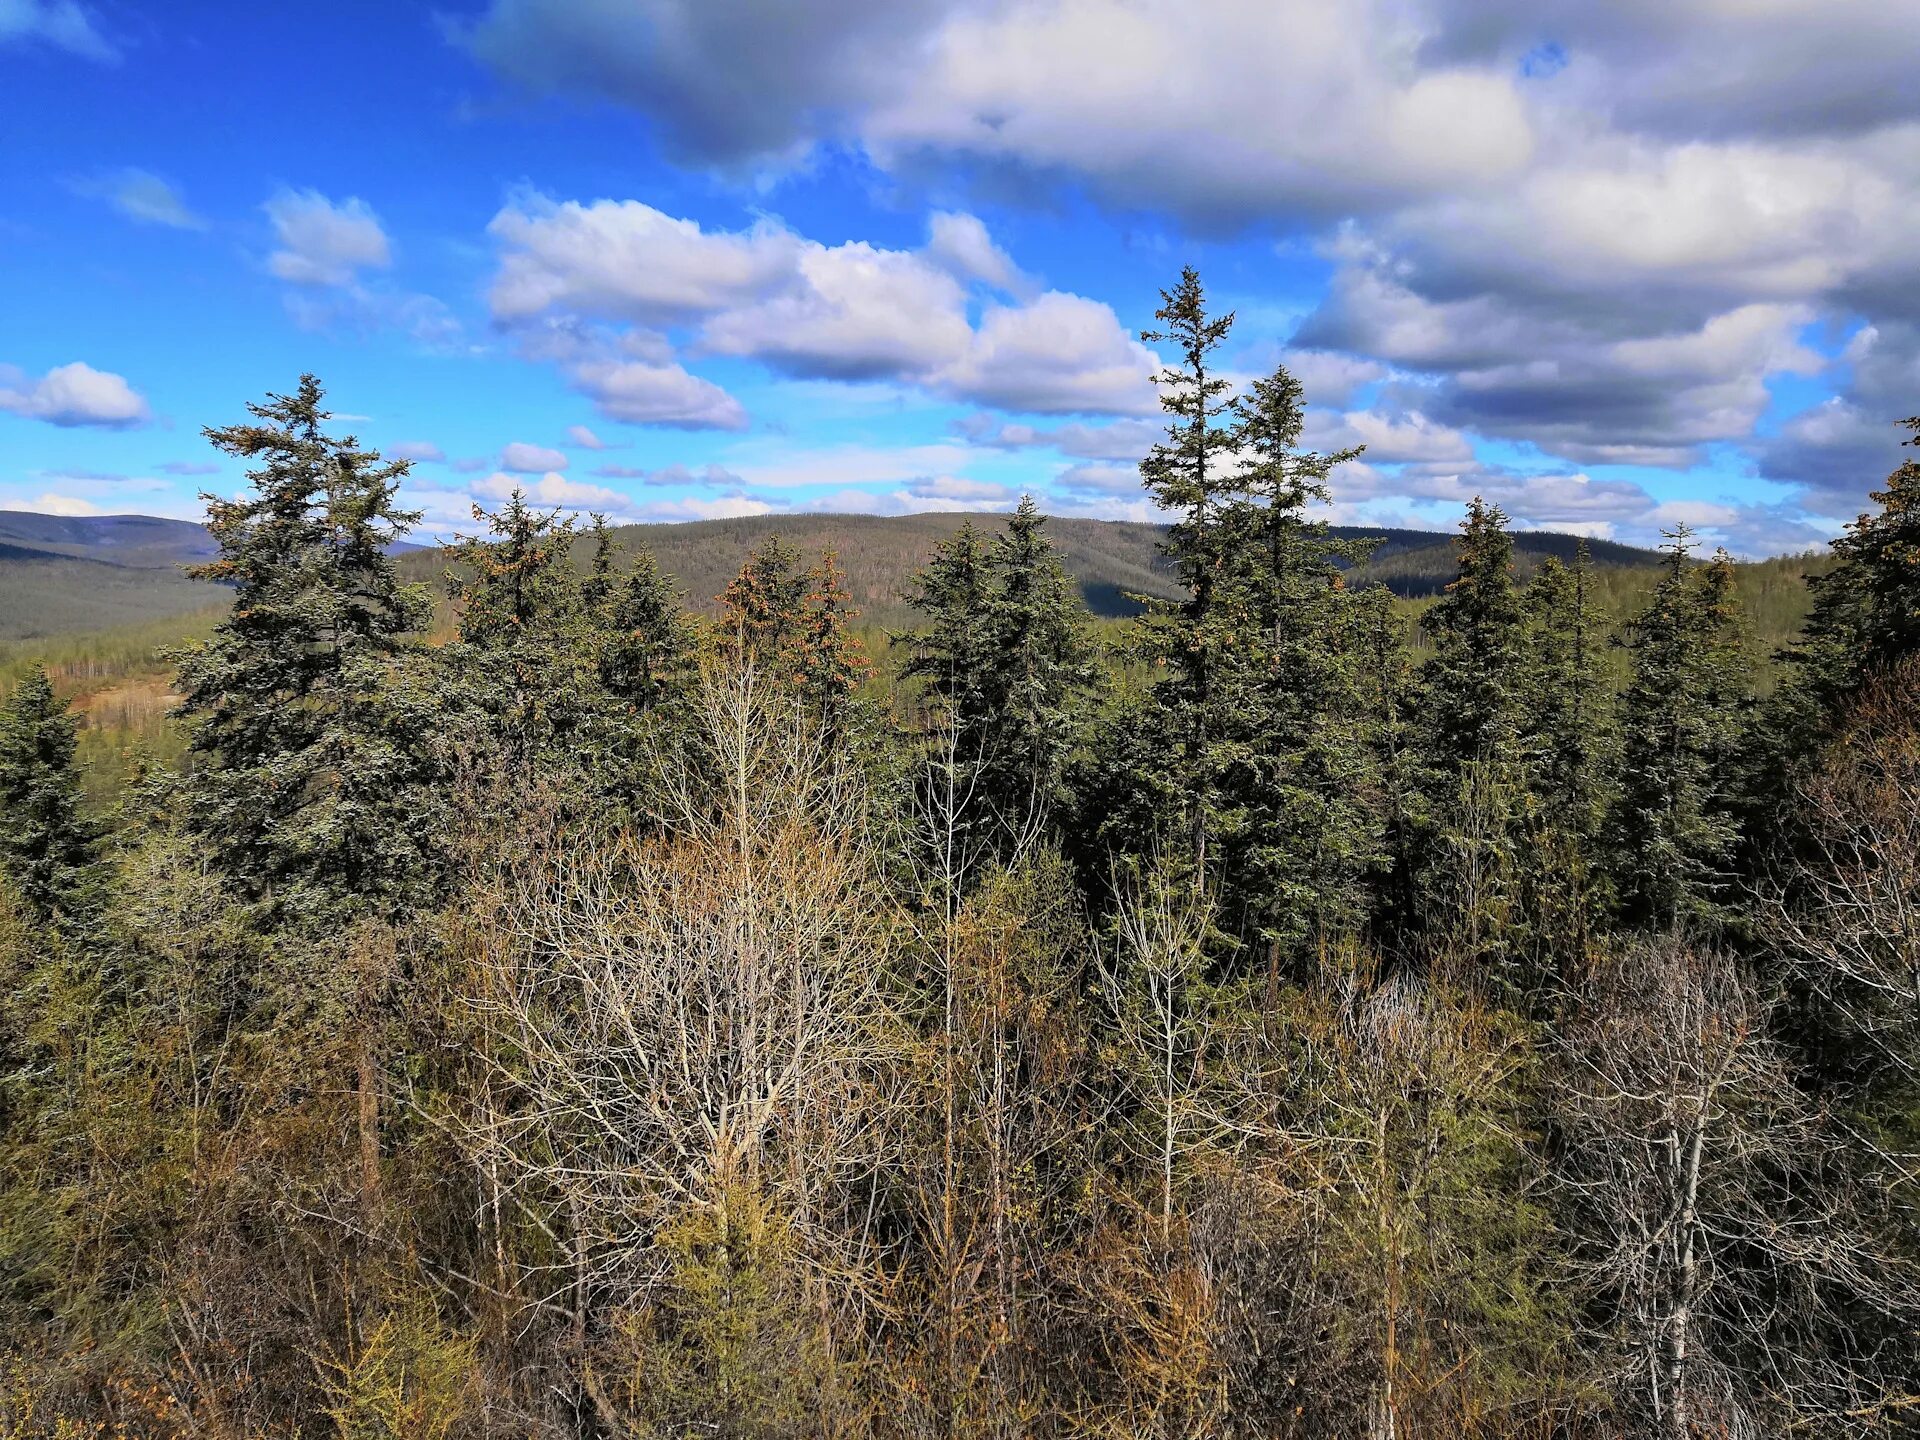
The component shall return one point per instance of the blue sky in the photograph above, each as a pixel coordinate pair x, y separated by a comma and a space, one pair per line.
1614, 266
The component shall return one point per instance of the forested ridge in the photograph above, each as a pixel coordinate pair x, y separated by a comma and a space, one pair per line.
1286, 1014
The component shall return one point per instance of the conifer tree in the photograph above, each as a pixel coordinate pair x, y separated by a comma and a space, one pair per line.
760, 609
46, 847
309, 724
646, 655
1564, 720
1041, 665
1473, 679
1007, 660
521, 669
828, 659
1565, 739
1865, 619
1192, 472
1301, 783
954, 655
1671, 833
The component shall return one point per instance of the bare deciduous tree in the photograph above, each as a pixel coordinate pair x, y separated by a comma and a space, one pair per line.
1720, 1240
691, 1025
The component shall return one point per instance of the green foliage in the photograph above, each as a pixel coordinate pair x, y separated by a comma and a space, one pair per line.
308, 719
562, 1030
1007, 661
1671, 834
46, 848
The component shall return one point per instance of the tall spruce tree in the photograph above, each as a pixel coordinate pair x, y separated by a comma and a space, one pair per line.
1672, 831
1566, 749
1471, 715
1041, 666
1194, 474
647, 646
522, 672
828, 659
1865, 618
46, 846
1478, 630
1006, 661
954, 655
761, 607
308, 721
1300, 784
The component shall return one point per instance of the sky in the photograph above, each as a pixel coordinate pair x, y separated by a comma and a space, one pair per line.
1612, 266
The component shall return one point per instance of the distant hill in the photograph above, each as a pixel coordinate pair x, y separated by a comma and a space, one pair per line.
63, 574
1111, 559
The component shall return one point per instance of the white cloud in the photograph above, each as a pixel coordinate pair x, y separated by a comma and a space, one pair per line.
960, 489
143, 196
61, 24
640, 393
524, 459
630, 261
1387, 438
73, 395
960, 243
323, 242
845, 312
1091, 479
553, 489
583, 437
847, 465
696, 507
851, 312
1061, 354
1115, 440
422, 450
58, 505
1567, 243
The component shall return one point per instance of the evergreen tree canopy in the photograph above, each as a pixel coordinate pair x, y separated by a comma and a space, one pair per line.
1866, 611
1478, 632
646, 654
760, 608
1672, 833
1007, 659
828, 659
46, 847
307, 715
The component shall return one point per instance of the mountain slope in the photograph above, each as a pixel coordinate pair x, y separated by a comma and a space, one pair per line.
61, 574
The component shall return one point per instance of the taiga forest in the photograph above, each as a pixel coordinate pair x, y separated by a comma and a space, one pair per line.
490, 992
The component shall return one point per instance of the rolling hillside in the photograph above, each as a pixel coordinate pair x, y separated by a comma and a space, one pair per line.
64, 575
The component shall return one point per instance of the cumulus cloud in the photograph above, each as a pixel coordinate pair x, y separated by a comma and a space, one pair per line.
583, 437
1837, 451
640, 393
553, 489
524, 459
846, 312
421, 450
322, 242
73, 395
710, 474
958, 489
1062, 354
1596, 228
59, 25
961, 244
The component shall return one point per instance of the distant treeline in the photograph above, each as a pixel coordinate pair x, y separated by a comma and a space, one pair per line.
535, 1009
